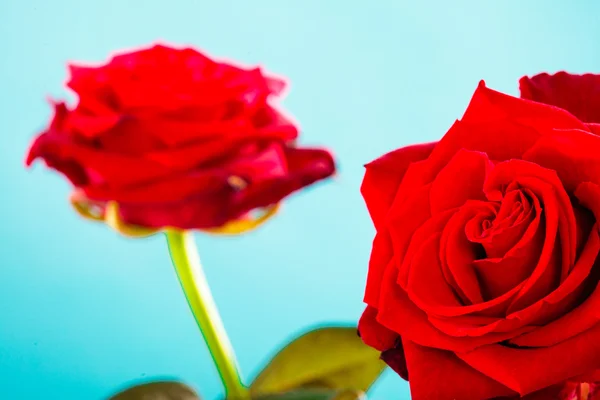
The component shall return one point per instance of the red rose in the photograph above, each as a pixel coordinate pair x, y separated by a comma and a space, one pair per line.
177, 139
483, 277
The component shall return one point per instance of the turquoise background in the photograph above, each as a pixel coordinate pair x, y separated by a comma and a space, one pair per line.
83, 311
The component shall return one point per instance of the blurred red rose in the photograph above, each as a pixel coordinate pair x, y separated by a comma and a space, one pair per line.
177, 139
483, 276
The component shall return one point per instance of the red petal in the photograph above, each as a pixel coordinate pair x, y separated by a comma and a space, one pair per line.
397, 313
381, 255
526, 371
594, 128
499, 125
373, 333
460, 180
512, 265
205, 199
491, 106
383, 177
578, 94
305, 166
396, 360
426, 285
440, 375
457, 253
572, 153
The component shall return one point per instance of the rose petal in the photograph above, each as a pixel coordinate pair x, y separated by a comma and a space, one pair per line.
305, 166
381, 255
500, 275
397, 313
559, 217
184, 128
100, 167
373, 333
404, 219
488, 105
383, 176
430, 227
502, 126
395, 359
513, 220
426, 285
474, 325
569, 293
460, 180
573, 323
588, 194
572, 153
561, 391
207, 210
578, 94
457, 252
594, 128
559, 302
268, 177
215, 202
520, 370
437, 374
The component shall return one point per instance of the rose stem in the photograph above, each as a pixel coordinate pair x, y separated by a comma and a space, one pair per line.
186, 261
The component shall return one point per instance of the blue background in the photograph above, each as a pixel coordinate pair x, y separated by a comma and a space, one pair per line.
83, 310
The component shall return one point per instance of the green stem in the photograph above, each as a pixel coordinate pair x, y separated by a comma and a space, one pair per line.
193, 282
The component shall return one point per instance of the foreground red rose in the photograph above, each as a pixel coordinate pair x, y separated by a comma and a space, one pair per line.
483, 275
177, 139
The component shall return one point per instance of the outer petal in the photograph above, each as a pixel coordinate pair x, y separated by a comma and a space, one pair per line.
99, 168
594, 128
526, 371
440, 375
570, 324
381, 255
277, 174
304, 166
396, 360
561, 391
488, 105
502, 126
186, 76
572, 153
186, 126
399, 314
383, 177
373, 333
578, 94
202, 212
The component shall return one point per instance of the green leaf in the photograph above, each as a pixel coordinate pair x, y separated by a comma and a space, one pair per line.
161, 390
315, 394
329, 358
